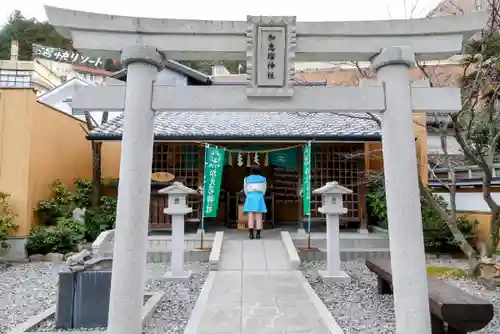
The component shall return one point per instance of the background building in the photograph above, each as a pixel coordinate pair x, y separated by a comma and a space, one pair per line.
43, 74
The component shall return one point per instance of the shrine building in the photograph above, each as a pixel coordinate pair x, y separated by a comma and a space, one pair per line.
344, 148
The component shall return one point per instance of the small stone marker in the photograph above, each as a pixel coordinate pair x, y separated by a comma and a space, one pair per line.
332, 206
78, 215
84, 292
177, 208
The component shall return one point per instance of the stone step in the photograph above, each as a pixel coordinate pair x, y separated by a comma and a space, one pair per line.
347, 255
189, 256
347, 244
165, 243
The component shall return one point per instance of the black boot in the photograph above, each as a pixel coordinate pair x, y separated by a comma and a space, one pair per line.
250, 233
258, 234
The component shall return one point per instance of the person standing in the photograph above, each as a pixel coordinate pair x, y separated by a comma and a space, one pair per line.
255, 186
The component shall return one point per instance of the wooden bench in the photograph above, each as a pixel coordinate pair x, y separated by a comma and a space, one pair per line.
459, 310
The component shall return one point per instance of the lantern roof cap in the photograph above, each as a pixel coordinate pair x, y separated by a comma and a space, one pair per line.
177, 188
332, 188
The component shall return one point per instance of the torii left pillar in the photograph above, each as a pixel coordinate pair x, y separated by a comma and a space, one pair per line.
129, 255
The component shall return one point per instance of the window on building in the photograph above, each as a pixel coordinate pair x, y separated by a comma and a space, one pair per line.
15, 78
77, 112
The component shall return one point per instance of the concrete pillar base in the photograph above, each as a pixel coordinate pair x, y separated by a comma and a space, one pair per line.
329, 278
363, 231
170, 276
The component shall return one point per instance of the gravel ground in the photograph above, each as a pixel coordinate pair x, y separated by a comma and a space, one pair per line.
358, 308
172, 314
29, 289
26, 290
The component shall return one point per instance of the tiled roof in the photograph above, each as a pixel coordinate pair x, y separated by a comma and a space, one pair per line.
251, 125
174, 66
98, 71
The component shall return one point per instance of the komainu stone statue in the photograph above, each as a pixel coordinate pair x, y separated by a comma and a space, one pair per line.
79, 258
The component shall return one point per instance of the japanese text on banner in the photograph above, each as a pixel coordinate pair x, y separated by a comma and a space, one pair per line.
66, 56
214, 164
306, 181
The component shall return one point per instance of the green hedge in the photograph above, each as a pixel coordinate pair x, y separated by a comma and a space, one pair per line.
437, 235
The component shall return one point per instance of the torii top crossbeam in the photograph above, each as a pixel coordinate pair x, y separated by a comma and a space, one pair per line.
429, 38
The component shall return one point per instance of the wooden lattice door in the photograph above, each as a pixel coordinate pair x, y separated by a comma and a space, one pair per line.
185, 162
341, 163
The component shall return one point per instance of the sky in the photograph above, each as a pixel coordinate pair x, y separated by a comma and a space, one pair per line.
312, 10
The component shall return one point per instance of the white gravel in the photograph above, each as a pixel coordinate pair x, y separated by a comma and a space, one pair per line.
29, 289
172, 314
26, 290
358, 308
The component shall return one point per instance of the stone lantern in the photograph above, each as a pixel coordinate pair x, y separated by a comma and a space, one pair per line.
177, 208
332, 206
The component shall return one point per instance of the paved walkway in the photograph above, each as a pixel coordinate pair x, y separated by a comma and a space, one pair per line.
256, 292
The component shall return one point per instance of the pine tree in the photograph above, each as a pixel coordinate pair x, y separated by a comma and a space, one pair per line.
26, 32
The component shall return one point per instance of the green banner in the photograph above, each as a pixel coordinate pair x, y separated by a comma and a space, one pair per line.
214, 165
284, 158
306, 181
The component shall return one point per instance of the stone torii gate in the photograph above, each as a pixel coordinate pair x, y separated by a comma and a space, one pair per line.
271, 45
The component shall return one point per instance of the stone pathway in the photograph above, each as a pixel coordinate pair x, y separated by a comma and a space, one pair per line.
256, 292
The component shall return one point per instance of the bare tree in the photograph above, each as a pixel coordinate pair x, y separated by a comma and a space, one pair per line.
476, 127
91, 124
448, 215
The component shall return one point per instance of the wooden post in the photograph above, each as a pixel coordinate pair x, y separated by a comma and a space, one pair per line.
201, 171
362, 189
300, 230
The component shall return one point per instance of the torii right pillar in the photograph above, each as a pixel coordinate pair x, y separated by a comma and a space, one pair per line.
411, 301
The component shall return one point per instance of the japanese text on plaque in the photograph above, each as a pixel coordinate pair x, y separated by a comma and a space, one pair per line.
271, 55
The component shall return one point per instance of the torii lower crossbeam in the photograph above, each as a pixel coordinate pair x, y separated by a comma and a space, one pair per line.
306, 99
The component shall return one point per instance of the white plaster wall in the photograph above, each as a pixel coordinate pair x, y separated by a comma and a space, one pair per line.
63, 106
229, 78
62, 92
66, 91
220, 70
171, 78
434, 144
89, 77
471, 201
